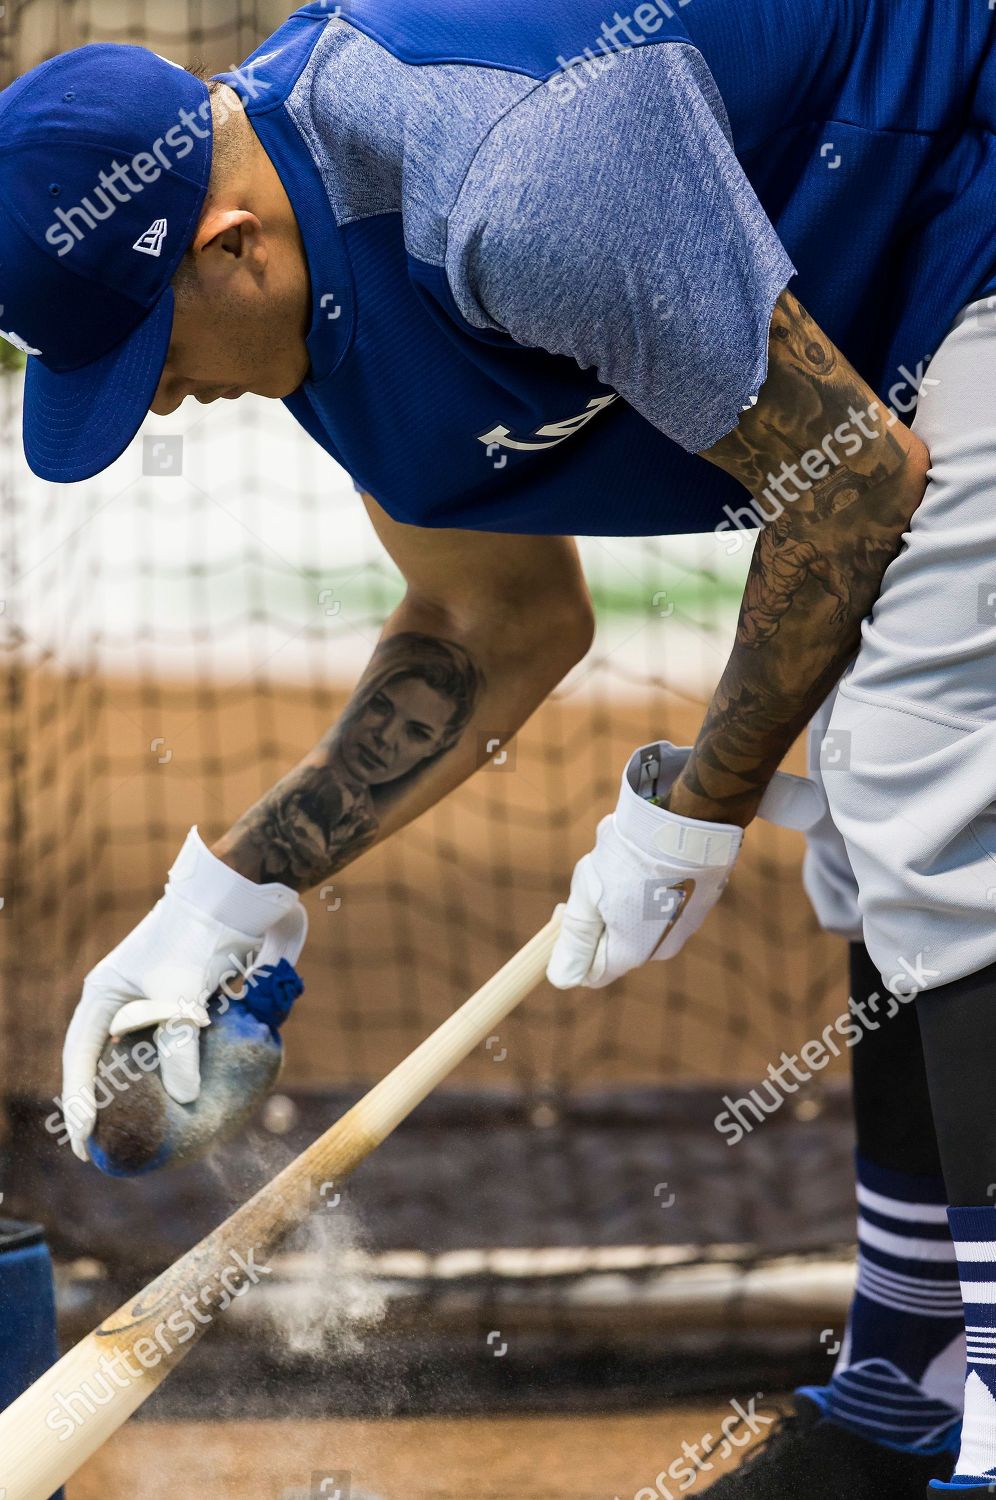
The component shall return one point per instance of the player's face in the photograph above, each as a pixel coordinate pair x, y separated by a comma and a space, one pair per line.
227, 345
403, 724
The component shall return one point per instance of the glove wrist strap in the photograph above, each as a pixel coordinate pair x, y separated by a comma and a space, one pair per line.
658, 832
789, 802
218, 891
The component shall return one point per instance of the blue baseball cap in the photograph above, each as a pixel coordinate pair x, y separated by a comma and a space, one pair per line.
105, 160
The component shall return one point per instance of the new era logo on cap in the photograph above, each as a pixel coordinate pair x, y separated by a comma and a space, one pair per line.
151, 242
88, 280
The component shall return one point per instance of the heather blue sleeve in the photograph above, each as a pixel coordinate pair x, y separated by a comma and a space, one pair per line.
608, 219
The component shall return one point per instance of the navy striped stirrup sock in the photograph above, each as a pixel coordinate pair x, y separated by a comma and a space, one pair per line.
974, 1233
899, 1379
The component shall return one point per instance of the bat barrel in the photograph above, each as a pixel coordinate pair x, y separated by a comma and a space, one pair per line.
67, 1415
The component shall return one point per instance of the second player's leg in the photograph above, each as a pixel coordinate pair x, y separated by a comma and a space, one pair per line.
887, 1419
913, 791
899, 1378
958, 1022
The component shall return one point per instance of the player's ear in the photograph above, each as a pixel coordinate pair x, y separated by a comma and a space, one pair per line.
228, 235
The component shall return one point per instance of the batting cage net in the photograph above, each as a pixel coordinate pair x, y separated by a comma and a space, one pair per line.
176, 634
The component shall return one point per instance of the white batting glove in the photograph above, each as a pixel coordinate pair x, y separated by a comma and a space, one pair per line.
203, 929
653, 877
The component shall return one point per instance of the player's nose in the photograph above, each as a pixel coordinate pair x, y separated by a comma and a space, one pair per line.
168, 397
171, 393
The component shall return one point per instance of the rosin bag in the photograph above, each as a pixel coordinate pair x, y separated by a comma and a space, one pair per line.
140, 1128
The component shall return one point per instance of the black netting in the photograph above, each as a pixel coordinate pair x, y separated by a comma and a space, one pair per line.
174, 644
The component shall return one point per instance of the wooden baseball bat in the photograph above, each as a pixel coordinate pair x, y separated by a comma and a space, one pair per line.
56, 1425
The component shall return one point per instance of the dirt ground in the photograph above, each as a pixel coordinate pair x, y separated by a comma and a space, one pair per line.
532, 1458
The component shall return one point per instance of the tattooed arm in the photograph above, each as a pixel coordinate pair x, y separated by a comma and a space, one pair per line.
837, 480
489, 626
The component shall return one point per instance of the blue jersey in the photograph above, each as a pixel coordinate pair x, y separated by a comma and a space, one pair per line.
544, 246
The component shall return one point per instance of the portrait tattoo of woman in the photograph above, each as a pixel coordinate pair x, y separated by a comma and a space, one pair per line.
412, 705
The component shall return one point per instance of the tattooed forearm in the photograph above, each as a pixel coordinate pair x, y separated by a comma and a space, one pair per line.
411, 709
303, 831
836, 479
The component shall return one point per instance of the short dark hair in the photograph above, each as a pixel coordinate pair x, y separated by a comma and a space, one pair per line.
184, 281
201, 71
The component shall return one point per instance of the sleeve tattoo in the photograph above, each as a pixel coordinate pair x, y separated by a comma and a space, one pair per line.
410, 709
836, 479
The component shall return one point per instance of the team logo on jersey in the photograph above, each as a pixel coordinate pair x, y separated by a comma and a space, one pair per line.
18, 342
152, 241
550, 435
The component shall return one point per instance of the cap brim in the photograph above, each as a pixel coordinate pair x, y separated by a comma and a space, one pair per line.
77, 424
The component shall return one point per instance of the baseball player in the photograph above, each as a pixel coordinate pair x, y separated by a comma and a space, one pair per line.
529, 272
